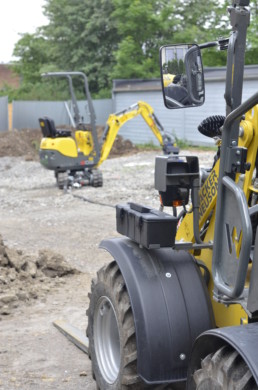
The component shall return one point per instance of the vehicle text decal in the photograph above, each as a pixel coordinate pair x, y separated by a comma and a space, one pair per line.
208, 192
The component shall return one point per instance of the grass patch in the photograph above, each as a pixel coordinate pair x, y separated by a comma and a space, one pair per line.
147, 146
182, 144
35, 144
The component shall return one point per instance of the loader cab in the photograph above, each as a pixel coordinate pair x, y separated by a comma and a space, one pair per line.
182, 76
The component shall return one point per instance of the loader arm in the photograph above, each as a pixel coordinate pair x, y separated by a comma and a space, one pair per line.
116, 121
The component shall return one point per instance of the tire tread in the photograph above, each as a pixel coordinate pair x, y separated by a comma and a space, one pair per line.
224, 369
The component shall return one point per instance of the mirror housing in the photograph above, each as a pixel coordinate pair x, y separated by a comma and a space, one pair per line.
182, 75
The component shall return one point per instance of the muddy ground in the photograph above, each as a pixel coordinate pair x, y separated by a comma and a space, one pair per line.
48, 256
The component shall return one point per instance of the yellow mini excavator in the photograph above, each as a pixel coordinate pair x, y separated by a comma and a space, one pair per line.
76, 161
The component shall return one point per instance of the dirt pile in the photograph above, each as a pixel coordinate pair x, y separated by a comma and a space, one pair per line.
20, 143
121, 147
24, 278
26, 142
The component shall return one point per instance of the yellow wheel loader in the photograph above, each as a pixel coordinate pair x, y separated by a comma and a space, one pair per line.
75, 161
178, 304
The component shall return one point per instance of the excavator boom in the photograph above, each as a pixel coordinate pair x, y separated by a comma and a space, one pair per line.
116, 121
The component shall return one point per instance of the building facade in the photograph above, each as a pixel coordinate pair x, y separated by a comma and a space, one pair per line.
182, 123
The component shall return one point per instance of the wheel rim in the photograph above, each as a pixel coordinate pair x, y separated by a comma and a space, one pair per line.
106, 340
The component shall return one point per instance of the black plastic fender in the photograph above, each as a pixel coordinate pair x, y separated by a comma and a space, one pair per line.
170, 306
243, 338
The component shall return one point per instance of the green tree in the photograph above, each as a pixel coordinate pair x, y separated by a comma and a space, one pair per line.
203, 21
144, 26
142, 29
109, 39
82, 37
252, 36
33, 53
32, 50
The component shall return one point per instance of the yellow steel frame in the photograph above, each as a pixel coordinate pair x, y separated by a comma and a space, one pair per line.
231, 314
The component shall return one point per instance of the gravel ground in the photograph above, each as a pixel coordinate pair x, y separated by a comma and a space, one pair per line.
36, 217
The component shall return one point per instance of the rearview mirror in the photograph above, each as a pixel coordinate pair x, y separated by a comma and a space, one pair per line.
182, 76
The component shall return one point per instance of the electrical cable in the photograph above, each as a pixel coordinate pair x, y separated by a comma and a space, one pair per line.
92, 201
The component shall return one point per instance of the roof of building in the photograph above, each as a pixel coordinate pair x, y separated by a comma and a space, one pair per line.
210, 74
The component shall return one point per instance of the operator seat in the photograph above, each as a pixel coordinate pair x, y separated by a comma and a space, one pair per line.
49, 130
177, 93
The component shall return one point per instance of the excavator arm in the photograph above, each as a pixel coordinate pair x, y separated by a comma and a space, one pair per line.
116, 121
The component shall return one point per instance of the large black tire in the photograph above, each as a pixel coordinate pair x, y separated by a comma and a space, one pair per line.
111, 333
224, 370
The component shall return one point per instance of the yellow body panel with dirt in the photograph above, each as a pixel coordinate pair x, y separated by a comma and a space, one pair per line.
84, 141
168, 79
65, 146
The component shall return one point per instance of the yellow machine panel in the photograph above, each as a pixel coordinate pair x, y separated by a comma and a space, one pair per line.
63, 145
84, 141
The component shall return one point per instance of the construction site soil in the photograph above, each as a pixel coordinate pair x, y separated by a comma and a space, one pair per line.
26, 142
49, 254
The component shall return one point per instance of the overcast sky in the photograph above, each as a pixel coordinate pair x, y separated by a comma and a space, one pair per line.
18, 16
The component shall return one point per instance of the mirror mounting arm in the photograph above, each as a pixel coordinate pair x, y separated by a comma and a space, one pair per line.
221, 42
208, 44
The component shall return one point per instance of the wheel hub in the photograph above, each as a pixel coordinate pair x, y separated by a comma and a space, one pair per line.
106, 339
